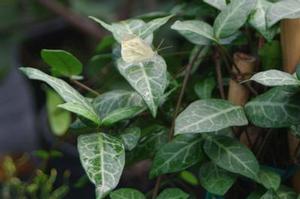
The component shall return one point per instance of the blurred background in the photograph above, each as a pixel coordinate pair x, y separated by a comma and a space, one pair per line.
35, 158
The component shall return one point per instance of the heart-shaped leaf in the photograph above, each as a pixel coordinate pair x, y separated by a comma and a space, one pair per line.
219, 4
126, 193
287, 9
231, 155
209, 115
103, 159
268, 178
179, 154
116, 99
152, 139
69, 94
137, 27
275, 78
149, 79
259, 21
278, 107
121, 114
131, 137
232, 17
197, 32
172, 193
79, 109
214, 179
59, 119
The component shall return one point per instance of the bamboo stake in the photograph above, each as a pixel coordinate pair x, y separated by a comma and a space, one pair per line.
239, 94
290, 42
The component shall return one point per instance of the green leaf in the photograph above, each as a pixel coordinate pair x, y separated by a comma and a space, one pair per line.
116, 99
268, 178
153, 138
270, 55
62, 62
205, 87
153, 25
275, 78
79, 109
295, 130
149, 79
209, 115
126, 193
134, 27
230, 40
172, 193
182, 152
270, 194
278, 107
103, 159
231, 155
122, 29
69, 94
131, 137
259, 22
287, 9
232, 17
286, 193
59, 119
105, 43
214, 179
197, 32
202, 55
219, 4
256, 194
102, 23
189, 177
121, 114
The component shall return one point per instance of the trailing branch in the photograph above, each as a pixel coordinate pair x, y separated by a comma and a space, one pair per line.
78, 21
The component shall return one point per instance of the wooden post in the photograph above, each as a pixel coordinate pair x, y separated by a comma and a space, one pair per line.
239, 94
290, 42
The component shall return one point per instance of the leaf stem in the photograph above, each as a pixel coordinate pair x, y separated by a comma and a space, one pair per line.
81, 85
188, 70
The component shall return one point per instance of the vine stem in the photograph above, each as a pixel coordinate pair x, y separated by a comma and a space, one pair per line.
80, 22
188, 70
260, 150
296, 152
219, 75
229, 61
227, 58
85, 87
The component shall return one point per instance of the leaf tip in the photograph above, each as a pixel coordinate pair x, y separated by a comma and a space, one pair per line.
175, 24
